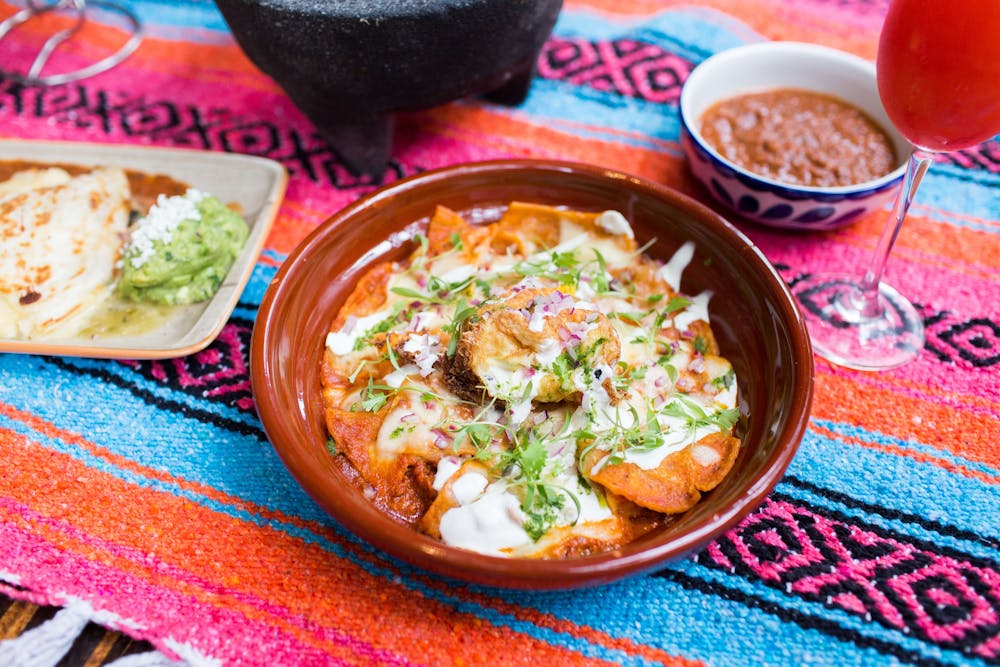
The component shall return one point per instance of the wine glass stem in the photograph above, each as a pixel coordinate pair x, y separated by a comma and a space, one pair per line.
916, 166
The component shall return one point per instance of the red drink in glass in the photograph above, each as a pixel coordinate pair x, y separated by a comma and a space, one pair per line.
939, 71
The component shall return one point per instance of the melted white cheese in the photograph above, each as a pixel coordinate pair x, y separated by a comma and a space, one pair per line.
446, 467
409, 426
342, 342
696, 311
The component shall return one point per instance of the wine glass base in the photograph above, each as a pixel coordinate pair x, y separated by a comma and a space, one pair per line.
843, 334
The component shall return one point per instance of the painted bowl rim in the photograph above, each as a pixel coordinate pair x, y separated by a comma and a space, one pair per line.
833, 57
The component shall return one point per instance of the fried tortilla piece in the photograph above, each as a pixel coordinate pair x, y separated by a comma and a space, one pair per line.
533, 338
629, 523
447, 227
677, 483
368, 296
534, 227
400, 486
525, 229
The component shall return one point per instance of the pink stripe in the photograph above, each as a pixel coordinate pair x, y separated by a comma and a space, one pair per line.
958, 295
208, 628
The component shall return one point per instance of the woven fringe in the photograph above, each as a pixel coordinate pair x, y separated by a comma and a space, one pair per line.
45, 645
150, 659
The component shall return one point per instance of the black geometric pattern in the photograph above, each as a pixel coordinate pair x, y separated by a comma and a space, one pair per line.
949, 338
188, 126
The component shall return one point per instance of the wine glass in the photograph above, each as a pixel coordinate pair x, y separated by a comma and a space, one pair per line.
938, 71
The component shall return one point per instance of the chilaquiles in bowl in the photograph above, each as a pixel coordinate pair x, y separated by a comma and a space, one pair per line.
536, 387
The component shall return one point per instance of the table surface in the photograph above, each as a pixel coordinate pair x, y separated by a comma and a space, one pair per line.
142, 498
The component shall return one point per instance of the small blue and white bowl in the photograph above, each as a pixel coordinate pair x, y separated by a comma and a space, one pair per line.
766, 66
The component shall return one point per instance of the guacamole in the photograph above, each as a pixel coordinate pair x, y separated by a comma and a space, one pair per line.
182, 250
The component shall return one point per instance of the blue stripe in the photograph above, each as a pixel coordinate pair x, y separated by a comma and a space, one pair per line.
685, 33
560, 104
662, 613
163, 391
854, 431
261, 278
200, 14
954, 191
901, 483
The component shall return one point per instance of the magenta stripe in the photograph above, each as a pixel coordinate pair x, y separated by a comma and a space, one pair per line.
157, 609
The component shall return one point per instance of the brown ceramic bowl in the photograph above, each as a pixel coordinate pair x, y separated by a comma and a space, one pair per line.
752, 312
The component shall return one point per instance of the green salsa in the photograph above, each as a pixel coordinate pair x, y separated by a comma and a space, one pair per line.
182, 251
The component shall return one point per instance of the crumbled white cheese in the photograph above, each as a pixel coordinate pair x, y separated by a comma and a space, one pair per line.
159, 224
425, 349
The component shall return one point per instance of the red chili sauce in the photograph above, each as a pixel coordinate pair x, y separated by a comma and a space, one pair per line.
799, 137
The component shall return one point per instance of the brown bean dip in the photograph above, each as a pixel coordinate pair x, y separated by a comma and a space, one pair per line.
799, 137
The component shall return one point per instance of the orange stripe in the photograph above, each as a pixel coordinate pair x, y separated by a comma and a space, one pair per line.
910, 454
855, 398
128, 465
490, 129
542, 620
208, 63
939, 246
247, 559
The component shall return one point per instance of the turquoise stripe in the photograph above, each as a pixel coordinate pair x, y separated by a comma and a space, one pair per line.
689, 34
662, 613
199, 14
560, 104
954, 192
854, 431
273, 255
261, 278
896, 482
165, 392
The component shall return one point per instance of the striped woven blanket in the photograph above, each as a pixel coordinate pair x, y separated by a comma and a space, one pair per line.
145, 496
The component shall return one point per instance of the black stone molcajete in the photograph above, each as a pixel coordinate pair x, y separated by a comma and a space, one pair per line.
349, 64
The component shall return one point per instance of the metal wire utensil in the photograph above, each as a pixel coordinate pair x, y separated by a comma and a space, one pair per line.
77, 10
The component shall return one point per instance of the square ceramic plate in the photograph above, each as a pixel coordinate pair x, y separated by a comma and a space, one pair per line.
255, 184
